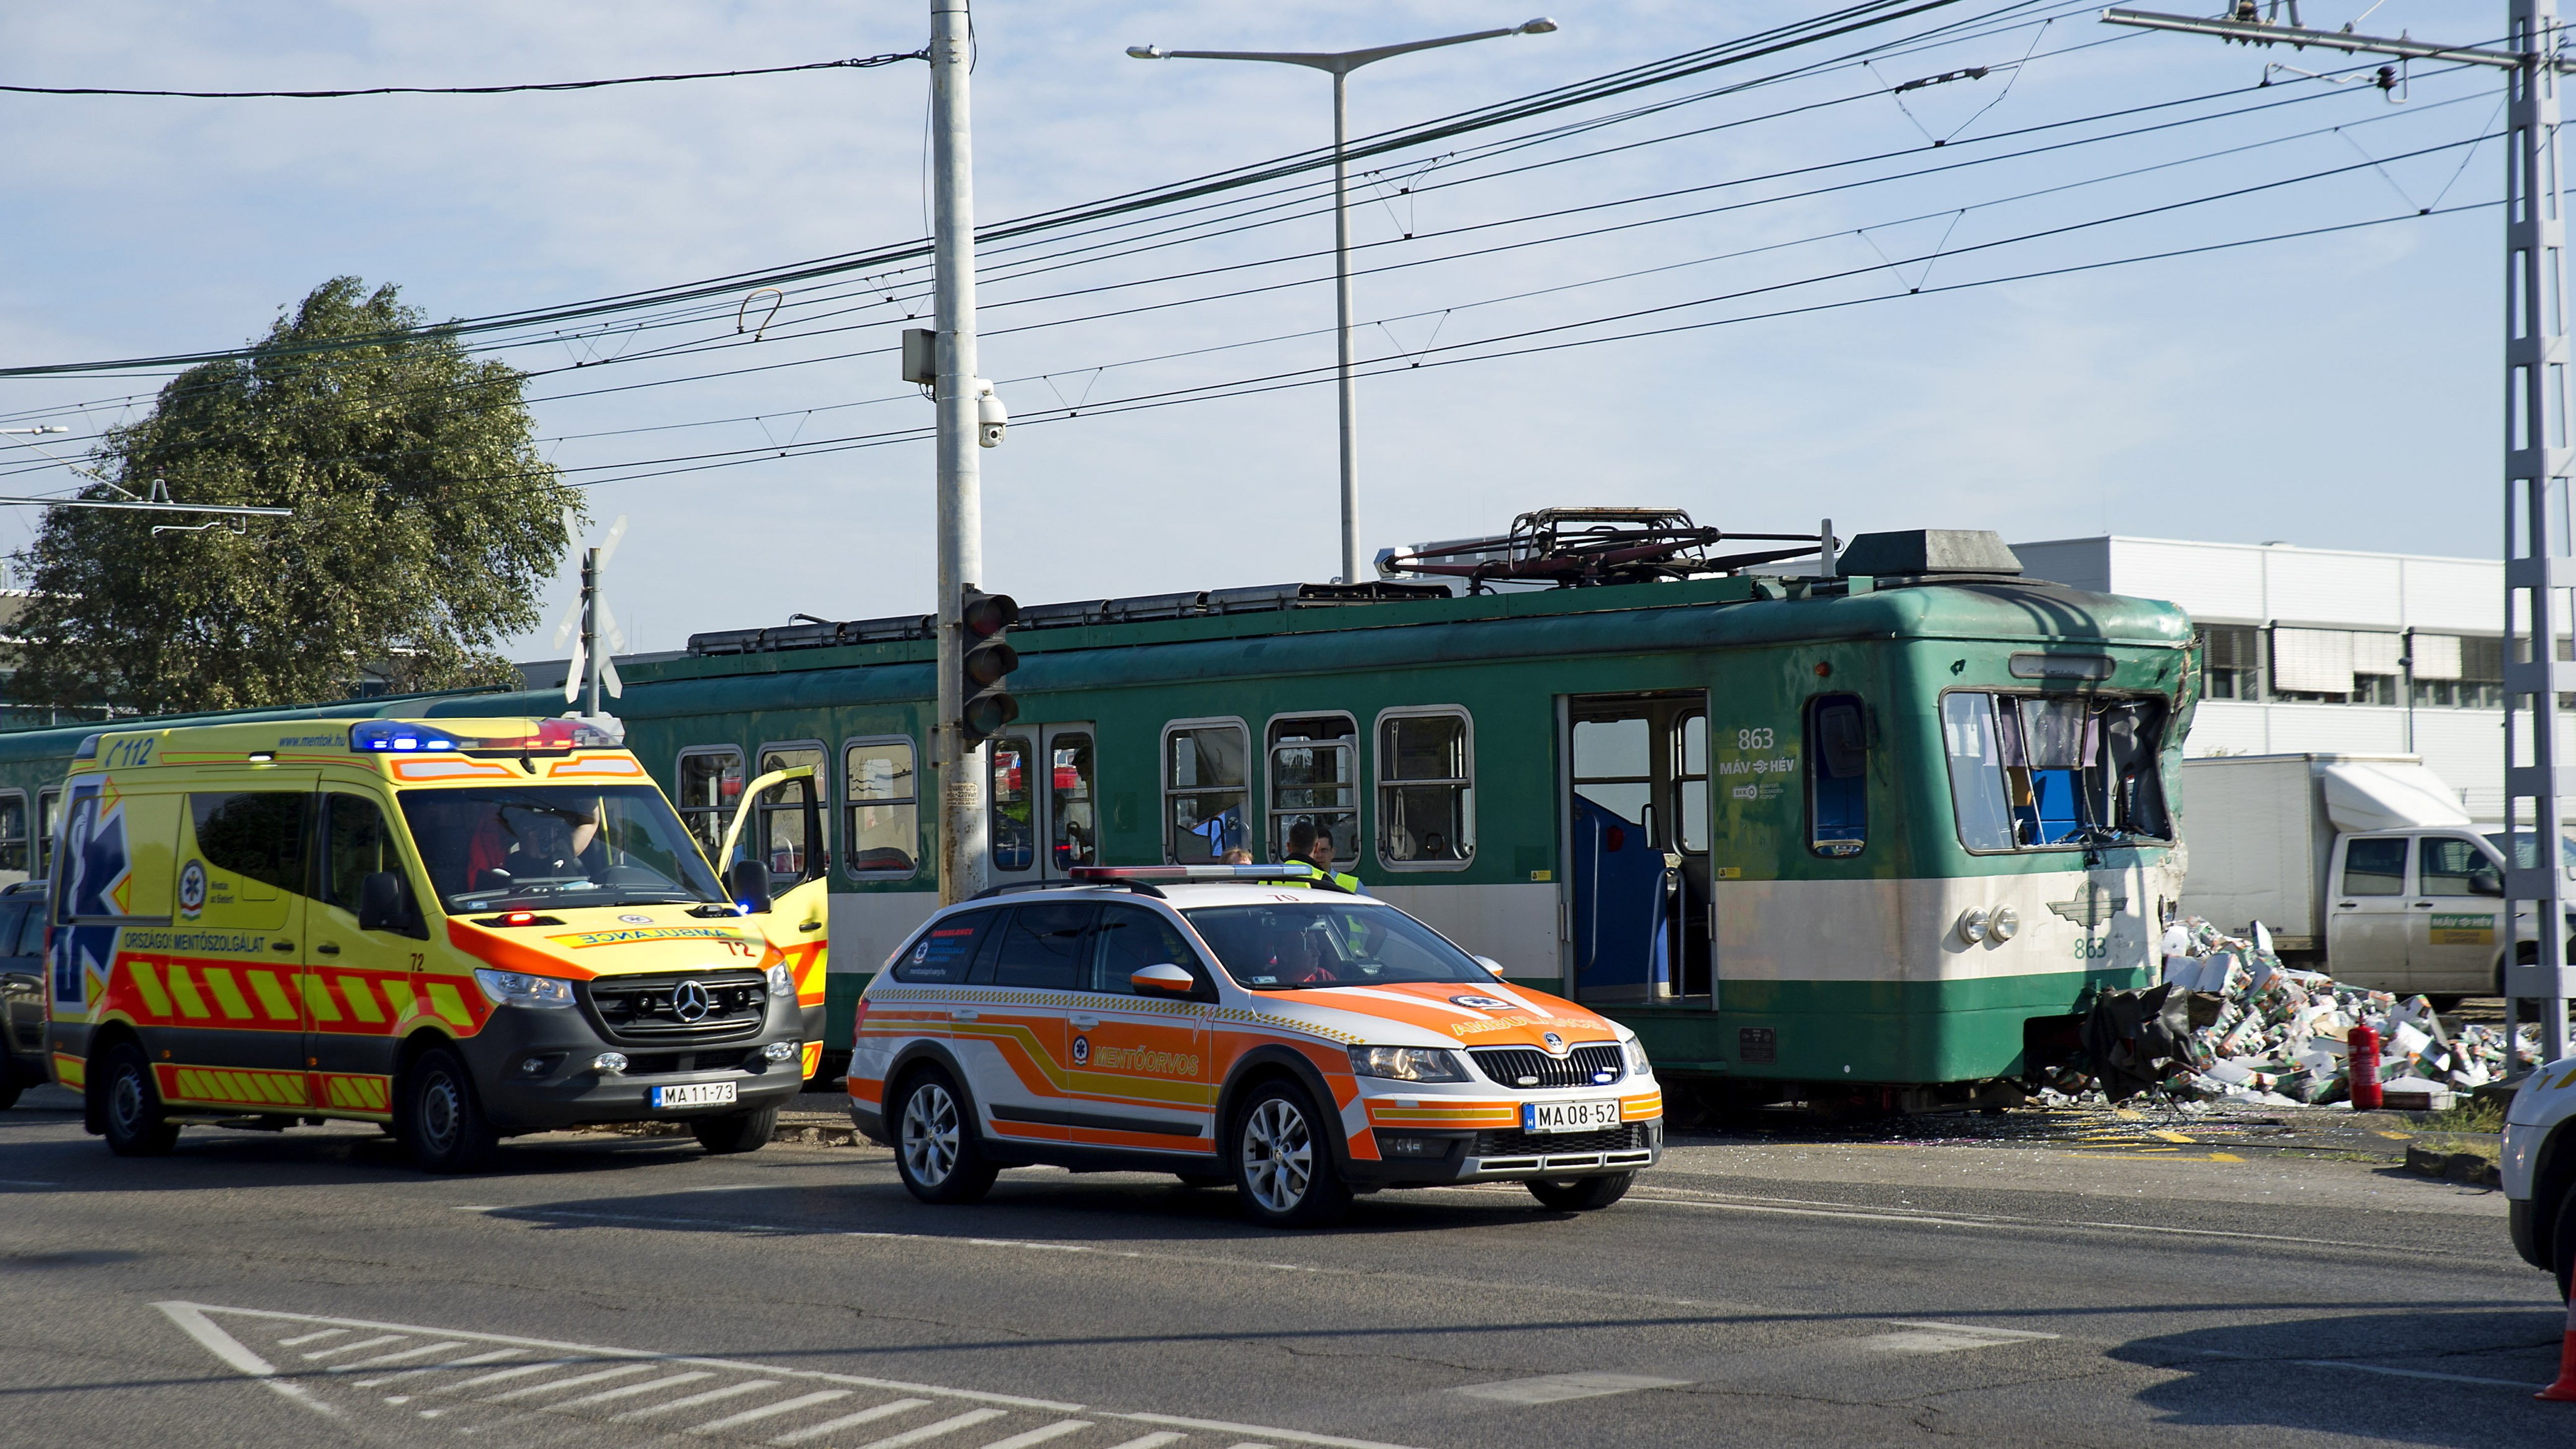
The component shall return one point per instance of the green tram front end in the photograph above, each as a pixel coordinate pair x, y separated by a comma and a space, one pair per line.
1884, 832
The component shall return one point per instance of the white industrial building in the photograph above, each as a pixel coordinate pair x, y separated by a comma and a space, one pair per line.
2325, 649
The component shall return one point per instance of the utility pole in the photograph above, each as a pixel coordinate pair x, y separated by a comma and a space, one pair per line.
2538, 460
1340, 64
957, 761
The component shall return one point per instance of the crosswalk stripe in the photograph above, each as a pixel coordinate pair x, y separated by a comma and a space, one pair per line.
1040, 1435
940, 1430
469, 1361
631, 1390
783, 1406
1151, 1441
711, 1396
301, 1339
379, 1341
397, 1356
522, 1371
576, 1381
864, 1416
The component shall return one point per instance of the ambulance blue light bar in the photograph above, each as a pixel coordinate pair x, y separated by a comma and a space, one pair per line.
1193, 872
394, 735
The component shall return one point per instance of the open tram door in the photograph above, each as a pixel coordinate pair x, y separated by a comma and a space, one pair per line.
1633, 816
780, 829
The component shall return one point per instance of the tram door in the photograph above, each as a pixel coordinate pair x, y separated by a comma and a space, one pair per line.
1636, 813
1042, 794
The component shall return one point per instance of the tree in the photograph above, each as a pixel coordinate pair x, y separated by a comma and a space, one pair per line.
425, 521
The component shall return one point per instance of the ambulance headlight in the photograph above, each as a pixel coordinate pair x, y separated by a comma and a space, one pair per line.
1408, 1064
1638, 1066
517, 988
782, 982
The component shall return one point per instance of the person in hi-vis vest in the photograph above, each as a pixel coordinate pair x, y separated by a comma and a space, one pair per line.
1310, 847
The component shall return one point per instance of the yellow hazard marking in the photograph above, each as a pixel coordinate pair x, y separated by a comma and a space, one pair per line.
317, 997
184, 992
2225, 1157
2398, 1136
272, 997
224, 1084
70, 1071
2168, 1136
357, 1094
449, 1006
362, 1002
149, 984
400, 995
2125, 1115
227, 993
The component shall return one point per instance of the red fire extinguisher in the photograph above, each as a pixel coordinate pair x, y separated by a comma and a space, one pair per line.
2362, 1053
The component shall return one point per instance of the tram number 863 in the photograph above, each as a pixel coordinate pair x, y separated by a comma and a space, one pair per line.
1753, 739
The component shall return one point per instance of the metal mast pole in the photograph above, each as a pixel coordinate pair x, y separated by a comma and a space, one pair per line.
2537, 467
959, 766
1342, 324
590, 625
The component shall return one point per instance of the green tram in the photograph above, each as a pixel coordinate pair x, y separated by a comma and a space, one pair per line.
1882, 832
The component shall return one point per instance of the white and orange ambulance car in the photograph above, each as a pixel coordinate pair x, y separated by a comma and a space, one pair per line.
462, 929
1237, 1024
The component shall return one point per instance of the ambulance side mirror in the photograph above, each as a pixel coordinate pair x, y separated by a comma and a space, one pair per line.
750, 886
1163, 980
380, 902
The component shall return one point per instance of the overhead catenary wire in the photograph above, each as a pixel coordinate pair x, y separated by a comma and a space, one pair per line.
865, 62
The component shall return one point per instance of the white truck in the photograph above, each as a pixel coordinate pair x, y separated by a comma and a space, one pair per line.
2363, 866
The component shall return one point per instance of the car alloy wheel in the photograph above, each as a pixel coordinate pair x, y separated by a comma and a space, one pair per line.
1278, 1155
930, 1135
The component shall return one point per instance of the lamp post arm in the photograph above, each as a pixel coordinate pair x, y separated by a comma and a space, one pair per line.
1340, 62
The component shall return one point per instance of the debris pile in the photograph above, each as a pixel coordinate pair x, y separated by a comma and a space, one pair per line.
2230, 1022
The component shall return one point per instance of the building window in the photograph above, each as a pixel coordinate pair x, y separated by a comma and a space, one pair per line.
2336, 666
1426, 789
1206, 779
880, 822
710, 788
1315, 779
2458, 671
2231, 661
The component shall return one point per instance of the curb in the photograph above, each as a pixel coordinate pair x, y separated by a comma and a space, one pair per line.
2462, 1167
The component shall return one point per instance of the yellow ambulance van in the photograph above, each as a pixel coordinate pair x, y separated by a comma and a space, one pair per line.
460, 929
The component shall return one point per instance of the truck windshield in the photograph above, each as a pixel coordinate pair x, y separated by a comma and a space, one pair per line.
2039, 773
2522, 851
556, 845
1289, 947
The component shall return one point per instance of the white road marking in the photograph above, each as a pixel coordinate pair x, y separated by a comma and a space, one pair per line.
469, 1361
379, 1341
711, 1396
507, 1374
864, 1416
397, 1356
193, 1321
1029, 1440
1783, 1207
301, 1339
1294, 1436
940, 1430
2372, 1368
1557, 1388
631, 1390
765, 1411
576, 1381
1150, 1441
1934, 1340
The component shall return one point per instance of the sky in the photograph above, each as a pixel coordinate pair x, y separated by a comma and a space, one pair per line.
1838, 331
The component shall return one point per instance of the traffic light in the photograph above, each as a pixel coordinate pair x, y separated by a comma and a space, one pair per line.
986, 664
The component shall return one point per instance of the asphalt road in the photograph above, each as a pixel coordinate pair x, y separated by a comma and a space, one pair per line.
2146, 1289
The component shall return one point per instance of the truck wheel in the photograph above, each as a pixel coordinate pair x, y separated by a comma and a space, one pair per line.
936, 1152
439, 1118
1283, 1164
739, 1132
136, 1125
1581, 1194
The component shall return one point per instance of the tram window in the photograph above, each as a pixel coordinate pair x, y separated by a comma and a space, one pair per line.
2030, 773
13, 836
781, 826
1014, 823
880, 829
1426, 800
710, 788
1837, 775
1315, 778
1074, 829
1690, 784
1205, 790
49, 815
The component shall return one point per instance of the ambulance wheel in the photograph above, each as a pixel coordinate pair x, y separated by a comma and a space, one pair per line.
1283, 1165
935, 1149
1581, 1194
438, 1117
739, 1132
131, 1105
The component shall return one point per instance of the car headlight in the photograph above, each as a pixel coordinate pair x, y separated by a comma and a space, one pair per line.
1408, 1064
518, 988
1638, 1066
782, 982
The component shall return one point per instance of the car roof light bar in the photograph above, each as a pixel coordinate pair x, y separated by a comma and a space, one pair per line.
1290, 871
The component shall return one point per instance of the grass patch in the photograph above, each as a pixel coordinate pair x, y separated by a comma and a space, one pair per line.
2470, 1115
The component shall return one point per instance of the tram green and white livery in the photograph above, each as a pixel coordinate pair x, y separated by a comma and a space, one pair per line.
1890, 828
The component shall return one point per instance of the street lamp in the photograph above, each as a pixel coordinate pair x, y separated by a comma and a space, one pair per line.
1340, 64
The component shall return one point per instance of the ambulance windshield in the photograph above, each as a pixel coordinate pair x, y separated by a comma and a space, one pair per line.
556, 845
1287, 947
